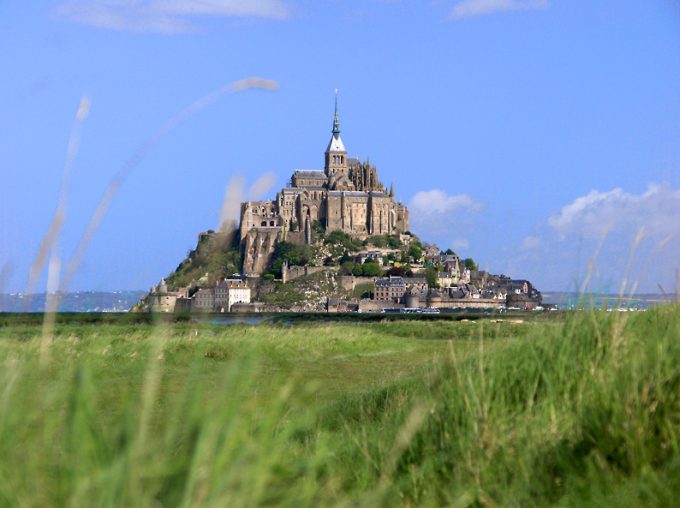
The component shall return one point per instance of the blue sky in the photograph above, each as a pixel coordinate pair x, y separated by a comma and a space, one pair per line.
516, 130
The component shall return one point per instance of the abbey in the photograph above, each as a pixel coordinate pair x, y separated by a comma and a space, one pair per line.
346, 196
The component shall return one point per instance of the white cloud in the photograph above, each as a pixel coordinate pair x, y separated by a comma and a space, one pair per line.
657, 210
164, 16
597, 238
437, 201
444, 218
467, 8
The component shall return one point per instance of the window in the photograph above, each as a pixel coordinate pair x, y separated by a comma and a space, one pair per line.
264, 223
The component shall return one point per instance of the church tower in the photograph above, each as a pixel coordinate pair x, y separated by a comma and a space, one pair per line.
336, 155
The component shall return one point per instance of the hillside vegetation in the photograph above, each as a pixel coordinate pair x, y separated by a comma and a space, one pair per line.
216, 256
582, 410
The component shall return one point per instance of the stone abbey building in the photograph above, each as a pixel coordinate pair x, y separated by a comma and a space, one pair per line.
346, 196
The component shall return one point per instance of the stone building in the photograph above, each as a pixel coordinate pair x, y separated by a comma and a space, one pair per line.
161, 299
203, 300
222, 297
389, 289
229, 292
346, 195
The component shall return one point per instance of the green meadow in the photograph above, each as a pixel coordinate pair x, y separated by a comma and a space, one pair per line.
568, 410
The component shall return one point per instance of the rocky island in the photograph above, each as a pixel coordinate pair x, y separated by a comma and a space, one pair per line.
333, 240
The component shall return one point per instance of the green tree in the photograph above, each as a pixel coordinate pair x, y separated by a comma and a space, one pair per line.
431, 277
393, 241
294, 254
318, 230
470, 264
337, 237
377, 241
346, 268
415, 252
275, 269
371, 269
341, 238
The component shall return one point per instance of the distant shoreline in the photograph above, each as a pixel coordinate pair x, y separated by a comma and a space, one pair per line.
121, 301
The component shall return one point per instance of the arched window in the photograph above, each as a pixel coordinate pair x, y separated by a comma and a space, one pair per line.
271, 223
264, 223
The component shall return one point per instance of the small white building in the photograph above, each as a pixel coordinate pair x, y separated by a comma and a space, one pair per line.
231, 291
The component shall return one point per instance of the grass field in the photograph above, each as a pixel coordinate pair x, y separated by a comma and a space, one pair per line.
119, 411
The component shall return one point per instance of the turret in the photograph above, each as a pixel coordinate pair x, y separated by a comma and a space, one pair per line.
336, 155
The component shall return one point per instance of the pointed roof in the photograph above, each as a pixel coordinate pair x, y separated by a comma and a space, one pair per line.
335, 144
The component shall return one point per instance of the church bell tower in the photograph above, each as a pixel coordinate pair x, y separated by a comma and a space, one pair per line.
336, 155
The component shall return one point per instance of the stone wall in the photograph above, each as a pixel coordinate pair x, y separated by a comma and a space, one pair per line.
474, 303
296, 237
260, 287
349, 282
162, 302
378, 305
295, 272
247, 307
341, 306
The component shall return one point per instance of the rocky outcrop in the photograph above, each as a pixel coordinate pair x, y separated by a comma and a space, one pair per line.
258, 249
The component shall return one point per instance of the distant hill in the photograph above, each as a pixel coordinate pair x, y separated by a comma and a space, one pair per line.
80, 301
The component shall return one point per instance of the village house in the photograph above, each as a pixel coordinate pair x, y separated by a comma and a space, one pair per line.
203, 300
229, 292
389, 289
394, 288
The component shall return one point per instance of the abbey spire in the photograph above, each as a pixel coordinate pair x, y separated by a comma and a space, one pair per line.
336, 119
336, 155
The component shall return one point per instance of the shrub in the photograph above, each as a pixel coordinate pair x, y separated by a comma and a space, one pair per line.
396, 271
347, 268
